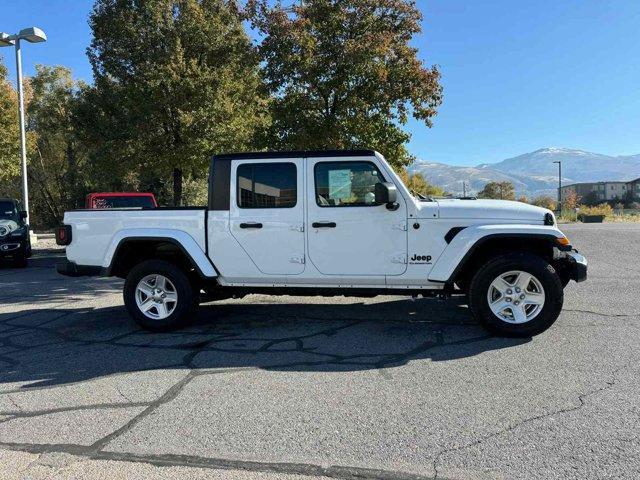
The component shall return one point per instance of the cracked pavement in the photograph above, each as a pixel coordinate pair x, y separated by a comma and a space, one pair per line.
292, 388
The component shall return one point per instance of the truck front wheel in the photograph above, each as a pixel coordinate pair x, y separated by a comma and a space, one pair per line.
516, 295
159, 296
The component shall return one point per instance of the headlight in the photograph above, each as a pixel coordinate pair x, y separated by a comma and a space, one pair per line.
549, 219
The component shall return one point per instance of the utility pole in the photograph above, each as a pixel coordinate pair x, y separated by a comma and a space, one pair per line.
32, 35
559, 162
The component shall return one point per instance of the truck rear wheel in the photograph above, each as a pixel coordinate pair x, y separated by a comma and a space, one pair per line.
159, 296
516, 295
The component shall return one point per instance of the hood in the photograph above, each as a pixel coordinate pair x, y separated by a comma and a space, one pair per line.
491, 209
7, 226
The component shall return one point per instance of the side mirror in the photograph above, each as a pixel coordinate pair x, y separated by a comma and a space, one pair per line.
23, 214
386, 193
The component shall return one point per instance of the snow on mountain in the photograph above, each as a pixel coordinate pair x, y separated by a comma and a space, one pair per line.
533, 173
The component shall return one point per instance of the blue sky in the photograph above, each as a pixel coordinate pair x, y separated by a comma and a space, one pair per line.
517, 75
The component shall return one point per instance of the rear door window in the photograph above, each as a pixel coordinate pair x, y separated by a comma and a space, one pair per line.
266, 185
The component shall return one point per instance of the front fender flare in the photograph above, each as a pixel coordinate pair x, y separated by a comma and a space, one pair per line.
472, 237
178, 237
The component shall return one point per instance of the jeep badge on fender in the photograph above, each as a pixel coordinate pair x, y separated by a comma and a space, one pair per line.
420, 259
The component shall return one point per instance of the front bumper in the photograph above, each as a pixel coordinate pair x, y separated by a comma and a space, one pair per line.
574, 265
71, 269
12, 247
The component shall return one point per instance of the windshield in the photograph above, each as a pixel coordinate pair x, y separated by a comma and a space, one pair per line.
123, 202
8, 211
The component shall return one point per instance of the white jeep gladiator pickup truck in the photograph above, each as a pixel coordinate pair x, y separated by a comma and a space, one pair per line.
326, 223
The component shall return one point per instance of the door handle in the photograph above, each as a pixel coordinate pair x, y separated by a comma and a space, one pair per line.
251, 225
323, 224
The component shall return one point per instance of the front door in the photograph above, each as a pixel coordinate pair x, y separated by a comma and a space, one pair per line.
267, 213
348, 233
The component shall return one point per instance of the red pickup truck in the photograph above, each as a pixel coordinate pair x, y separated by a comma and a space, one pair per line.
120, 200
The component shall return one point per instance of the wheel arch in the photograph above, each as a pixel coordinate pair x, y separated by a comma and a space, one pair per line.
462, 262
130, 250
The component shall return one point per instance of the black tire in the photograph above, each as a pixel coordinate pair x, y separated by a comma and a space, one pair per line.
186, 295
529, 263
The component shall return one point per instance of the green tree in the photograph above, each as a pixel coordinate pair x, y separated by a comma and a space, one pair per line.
175, 81
57, 156
544, 201
9, 136
416, 183
499, 190
343, 74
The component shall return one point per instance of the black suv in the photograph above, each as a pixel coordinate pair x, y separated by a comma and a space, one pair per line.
14, 233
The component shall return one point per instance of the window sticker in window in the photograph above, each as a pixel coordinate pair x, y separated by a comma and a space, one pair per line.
340, 184
345, 184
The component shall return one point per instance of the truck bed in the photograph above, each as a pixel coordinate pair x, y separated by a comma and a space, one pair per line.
96, 233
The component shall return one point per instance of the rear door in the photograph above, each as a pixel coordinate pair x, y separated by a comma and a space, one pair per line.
267, 213
349, 234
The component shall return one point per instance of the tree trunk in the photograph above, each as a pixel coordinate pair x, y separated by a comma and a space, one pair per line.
177, 187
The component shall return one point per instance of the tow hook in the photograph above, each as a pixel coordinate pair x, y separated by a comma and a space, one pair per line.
443, 296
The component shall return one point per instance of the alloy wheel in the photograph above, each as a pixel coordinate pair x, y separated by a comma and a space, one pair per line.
516, 297
156, 296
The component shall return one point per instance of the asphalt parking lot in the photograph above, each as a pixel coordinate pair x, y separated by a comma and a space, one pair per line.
345, 388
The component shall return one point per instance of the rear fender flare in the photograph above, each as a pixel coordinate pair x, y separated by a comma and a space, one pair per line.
181, 239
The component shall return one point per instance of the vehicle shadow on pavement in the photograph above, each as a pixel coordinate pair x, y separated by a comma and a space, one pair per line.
39, 283
49, 347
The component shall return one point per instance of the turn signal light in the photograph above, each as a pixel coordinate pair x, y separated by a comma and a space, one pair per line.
563, 241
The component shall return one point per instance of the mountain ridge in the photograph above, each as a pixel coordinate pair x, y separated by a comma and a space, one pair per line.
533, 173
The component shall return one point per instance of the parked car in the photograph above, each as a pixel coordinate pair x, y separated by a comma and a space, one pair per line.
327, 223
15, 243
120, 200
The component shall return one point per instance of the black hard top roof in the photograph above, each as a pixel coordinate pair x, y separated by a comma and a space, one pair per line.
294, 154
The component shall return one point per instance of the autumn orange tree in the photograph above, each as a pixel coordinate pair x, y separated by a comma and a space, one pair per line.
342, 74
9, 136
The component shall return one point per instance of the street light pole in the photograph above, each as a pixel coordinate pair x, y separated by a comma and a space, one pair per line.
31, 35
559, 162
23, 139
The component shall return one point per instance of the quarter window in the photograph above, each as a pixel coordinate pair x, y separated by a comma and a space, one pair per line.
266, 185
346, 184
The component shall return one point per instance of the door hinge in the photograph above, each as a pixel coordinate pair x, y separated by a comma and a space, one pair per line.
401, 226
399, 258
298, 228
296, 259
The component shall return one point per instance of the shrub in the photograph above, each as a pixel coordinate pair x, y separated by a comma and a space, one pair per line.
544, 201
601, 209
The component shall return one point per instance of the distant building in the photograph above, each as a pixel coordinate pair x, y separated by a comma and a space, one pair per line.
595, 192
633, 189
